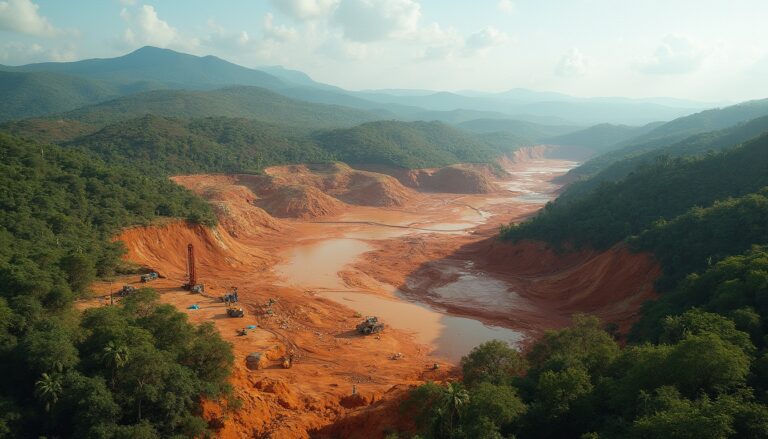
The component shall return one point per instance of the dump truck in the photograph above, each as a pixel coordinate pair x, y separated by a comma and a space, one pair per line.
149, 276
370, 325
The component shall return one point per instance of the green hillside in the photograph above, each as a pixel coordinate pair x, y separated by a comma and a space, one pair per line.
163, 67
412, 144
675, 131
169, 146
106, 371
693, 145
601, 138
530, 130
248, 102
661, 190
34, 94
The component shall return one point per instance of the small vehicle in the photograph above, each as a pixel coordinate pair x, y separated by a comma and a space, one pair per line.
370, 325
126, 290
235, 312
149, 276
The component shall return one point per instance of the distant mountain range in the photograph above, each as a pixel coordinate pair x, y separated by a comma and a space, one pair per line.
151, 68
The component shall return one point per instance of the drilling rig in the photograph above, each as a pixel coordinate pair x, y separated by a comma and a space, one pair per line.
192, 284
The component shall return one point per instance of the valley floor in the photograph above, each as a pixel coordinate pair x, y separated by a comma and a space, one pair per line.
426, 263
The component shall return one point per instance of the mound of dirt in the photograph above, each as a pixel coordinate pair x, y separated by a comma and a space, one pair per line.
340, 181
460, 180
370, 189
300, 201
457, 179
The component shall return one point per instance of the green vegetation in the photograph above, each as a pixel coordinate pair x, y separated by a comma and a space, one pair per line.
697, 362
136, 370
525, 129
413, 144
703, 380
34, 94
601, 138
168, 146
695, 145
676, 131
659, 191
248, 102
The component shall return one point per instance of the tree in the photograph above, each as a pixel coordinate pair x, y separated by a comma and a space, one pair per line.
494, 362
48, 389
455, 399
115, 357
80, 271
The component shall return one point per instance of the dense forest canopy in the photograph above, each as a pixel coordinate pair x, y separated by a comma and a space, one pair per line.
107, 372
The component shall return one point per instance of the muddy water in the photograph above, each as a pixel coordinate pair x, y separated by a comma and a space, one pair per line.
452, 337
316, 265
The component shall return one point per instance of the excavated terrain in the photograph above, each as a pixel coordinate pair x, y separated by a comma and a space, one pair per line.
330, 244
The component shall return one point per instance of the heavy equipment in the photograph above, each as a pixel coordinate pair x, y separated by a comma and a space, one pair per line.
370, 325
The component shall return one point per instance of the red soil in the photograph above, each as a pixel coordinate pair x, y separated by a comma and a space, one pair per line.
314, 397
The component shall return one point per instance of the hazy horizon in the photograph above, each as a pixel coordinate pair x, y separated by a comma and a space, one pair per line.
702, 51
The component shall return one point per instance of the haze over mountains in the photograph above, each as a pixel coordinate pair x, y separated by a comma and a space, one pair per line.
151, 68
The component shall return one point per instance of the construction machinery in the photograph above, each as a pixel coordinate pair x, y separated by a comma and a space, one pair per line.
192, 284
235, 312
126, 290
149, 276
370, 325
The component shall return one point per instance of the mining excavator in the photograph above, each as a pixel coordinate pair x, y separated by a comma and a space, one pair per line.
370, 325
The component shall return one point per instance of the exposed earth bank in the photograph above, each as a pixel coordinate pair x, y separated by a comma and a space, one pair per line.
328, 243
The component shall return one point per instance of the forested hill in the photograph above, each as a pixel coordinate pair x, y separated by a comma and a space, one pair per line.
170, 146
658, 191
249, 102
601, 138
163, 67
34, 94
694, 145
108, 371
414, 144
675, 131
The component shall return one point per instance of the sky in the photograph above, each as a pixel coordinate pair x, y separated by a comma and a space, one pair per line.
706, 50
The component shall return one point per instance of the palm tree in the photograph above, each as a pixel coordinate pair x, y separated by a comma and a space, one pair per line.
454, 400
48, 389
115, 358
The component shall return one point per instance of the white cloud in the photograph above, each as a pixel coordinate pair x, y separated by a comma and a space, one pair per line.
219, 38
22, 16
572, 64
506, 6
22, 53
147, 28
275, 32
373, 20
676, 55
305, 9
343, 50
486, 38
